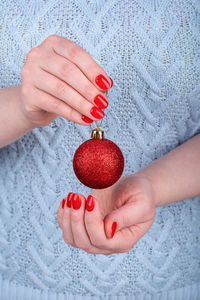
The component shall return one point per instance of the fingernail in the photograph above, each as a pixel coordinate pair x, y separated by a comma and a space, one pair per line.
97, 113
100, 101
86, 119
76, 201
102, 82
90, 203
113, 229
63, 202
111, 81
69, 199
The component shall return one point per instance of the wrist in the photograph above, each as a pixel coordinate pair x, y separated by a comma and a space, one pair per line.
24, 119
13, 123
155, 189
148, 174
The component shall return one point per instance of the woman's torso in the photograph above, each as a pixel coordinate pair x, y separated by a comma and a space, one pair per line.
151, 50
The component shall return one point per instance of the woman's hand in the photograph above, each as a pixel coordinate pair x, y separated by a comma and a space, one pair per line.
113, 220
59, 78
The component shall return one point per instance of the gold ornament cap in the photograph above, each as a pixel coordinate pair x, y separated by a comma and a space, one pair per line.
97, 133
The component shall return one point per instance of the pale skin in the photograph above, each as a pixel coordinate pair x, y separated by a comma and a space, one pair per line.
58, 79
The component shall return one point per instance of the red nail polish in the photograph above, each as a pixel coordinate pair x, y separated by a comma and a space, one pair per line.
100, 101
102, 82
113, 229
63, 202
76, 201
90, 203
86, 119
69, 199
97, 112
111, 81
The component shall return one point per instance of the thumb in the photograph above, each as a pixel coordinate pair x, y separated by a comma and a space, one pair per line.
127, 215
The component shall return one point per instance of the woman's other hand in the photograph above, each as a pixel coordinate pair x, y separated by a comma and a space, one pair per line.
112, 221
59, 78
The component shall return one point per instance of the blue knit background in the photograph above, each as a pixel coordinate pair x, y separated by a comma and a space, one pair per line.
151, 49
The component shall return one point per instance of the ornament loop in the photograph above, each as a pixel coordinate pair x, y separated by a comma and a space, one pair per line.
98, 126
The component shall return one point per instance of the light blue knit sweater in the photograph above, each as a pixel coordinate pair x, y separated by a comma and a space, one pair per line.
151, 49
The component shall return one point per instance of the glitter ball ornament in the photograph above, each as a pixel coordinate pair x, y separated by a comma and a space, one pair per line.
98, 163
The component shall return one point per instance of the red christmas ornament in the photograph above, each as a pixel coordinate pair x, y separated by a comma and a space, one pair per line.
98, 163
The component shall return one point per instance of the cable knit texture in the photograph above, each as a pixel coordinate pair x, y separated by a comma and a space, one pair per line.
151, 49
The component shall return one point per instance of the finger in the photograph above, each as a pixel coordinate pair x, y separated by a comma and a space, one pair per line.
54, 105
95, 227
80, 235
60, 212
94, 223
129, 214
61, 90
72, 75
66, 222
81, 58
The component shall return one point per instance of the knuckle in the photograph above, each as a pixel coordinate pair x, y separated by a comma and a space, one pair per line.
28, 109
60, 89
53, 38
65, 69
33, 54
74, 51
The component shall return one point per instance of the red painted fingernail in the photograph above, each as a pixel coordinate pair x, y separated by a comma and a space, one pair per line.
102, 82
63, 202
97, 112
69, 199
100, 101
113, 229
76, 201
90, 203
86, 119
111, 81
